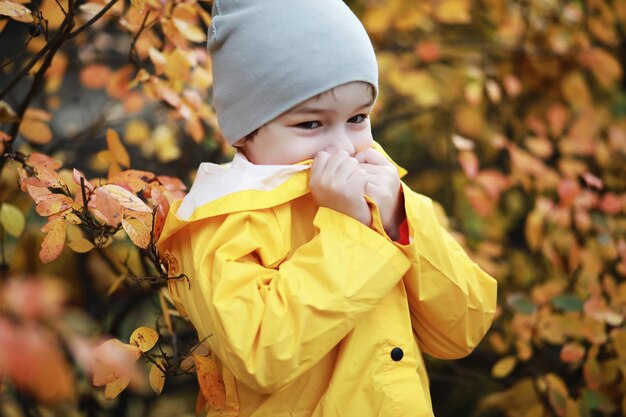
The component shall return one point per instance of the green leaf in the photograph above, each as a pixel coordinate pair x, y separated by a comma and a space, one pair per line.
12, 219
568, 302
521, 304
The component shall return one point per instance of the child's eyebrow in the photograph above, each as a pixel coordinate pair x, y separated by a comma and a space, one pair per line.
321, 110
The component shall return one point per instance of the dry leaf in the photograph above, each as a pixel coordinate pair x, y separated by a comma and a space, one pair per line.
210, 380
13, 10
157, 377
144, 338
53, 243
118, 151
138, 231
113, 389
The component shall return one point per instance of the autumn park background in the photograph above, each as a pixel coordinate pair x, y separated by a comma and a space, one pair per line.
510, 113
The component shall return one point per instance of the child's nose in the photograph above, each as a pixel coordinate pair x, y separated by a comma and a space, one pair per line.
341, 142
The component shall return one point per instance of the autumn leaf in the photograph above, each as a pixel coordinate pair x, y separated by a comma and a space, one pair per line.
34, 126
157, 377
113, 389
54, 241
114, 360
125, 198
14, 10
144, 338
52, 204
133, 180
81, 245
138, 231
503, 367
7, 114
572, 353
118, 151
12, 219
210, 381
189, 30
95, 76
453, 11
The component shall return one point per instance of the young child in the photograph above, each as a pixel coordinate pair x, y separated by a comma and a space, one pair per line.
315, 276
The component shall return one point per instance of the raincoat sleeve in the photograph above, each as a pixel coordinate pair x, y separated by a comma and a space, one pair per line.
273, 312
452, 301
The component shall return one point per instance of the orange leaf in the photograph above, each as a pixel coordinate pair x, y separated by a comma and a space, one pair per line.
113, 389
592, 374
132, 179
157, 377
44, 177
54, 241
35, 131
572, 353
117, 149
138, 231
210, 381
200, 403
95, 76
52, 204
144, 338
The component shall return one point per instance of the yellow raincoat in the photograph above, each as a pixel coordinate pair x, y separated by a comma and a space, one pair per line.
307, 311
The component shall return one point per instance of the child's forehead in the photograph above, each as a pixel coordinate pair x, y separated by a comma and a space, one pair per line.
360, 92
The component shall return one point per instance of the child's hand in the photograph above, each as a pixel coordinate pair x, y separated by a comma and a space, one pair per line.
383, 187
337, 182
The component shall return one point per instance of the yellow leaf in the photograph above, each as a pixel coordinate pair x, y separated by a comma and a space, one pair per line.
7, 114
138, 5
419, 85
189, 30
534, 229
13, 10
138, 231
453, 11
157, 377
136, 132
12, 219
503, 367
604, 66
81, 245
575, 90
113, 389
210, 381
117, 149
54, 241
144, 337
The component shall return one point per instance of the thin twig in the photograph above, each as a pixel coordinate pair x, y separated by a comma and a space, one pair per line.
94, 19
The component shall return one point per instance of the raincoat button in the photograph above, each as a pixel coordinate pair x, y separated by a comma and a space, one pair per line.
396, 354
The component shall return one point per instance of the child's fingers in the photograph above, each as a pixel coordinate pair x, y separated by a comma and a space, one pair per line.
372, 156
319, 164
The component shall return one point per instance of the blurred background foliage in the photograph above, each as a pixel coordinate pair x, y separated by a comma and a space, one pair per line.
511, 114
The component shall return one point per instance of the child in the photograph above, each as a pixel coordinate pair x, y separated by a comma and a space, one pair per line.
316, 277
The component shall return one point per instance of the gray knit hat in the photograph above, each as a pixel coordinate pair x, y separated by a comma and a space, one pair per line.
270, 55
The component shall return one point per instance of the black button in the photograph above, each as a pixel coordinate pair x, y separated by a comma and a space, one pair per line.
396, 354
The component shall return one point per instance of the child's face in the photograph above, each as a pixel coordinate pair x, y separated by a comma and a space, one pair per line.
334, 121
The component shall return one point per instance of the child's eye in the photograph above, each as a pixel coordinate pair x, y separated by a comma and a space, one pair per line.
359, 118
308, 125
